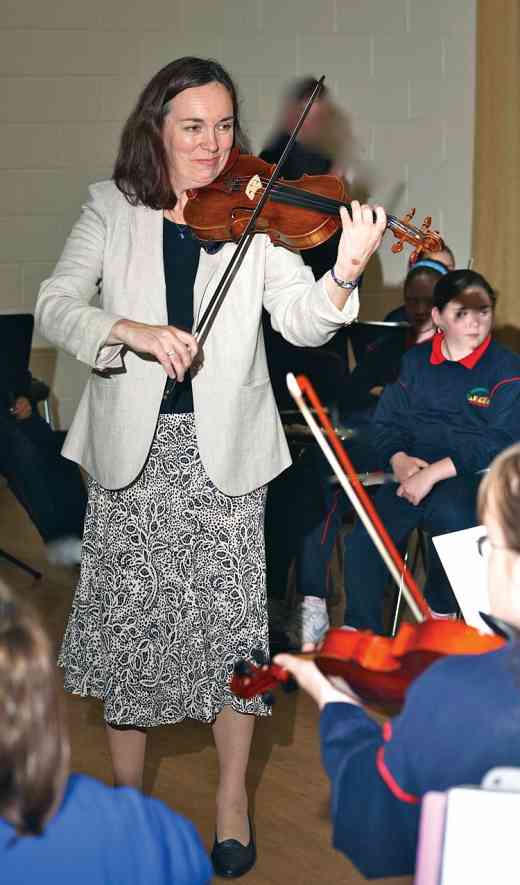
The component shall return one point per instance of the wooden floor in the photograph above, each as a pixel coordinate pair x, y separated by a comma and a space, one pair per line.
288, 789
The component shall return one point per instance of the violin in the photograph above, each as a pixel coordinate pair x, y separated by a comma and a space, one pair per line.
378, 668
298, 214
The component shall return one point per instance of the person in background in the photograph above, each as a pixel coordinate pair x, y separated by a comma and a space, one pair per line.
308, 510
56, 827
454, 407
48, 487
307, 156
327, 366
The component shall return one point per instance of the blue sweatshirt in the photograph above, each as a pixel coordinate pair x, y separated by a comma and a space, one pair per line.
461, 718
105, 836
468, 411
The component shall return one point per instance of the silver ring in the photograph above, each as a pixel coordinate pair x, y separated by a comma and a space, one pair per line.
169, 352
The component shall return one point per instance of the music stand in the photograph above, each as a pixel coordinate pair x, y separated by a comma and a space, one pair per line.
364, 334
17, 332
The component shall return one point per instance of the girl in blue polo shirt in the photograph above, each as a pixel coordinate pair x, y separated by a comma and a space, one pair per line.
454, 407
460, 719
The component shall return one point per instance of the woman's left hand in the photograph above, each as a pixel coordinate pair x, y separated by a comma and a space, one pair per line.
322, 689
360, 238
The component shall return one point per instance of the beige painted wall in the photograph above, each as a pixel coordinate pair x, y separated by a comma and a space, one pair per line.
402, 71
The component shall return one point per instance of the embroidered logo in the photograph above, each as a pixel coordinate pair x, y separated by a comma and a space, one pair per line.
478, 396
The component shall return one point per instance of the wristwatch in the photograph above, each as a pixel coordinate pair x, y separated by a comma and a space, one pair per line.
344, 284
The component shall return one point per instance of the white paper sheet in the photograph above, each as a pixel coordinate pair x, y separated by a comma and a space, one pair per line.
467, 572
481, 838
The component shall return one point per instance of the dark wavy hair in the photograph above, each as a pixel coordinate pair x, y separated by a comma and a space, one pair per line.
141, 168
455, 282
34, 748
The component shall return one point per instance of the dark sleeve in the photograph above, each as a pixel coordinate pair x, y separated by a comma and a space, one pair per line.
379, 367
474, 449
373, 826
391, 428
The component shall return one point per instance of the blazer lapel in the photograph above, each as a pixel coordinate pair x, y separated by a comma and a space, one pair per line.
148, 237
210, 270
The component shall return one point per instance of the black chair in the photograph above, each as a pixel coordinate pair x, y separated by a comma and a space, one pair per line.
17, 332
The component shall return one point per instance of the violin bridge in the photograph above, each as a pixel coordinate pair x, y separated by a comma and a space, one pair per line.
253, 186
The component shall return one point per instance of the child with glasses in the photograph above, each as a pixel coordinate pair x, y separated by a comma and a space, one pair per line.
460, 719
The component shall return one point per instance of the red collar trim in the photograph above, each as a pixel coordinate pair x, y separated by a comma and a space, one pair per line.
469, 361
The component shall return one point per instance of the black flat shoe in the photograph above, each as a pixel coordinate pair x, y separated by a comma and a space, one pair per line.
231, 859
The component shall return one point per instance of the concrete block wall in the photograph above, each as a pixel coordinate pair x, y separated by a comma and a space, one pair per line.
401, 72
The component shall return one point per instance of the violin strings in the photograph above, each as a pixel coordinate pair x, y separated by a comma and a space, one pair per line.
302, 198
293, 196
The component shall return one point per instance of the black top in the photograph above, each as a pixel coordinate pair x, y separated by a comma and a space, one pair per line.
181, 259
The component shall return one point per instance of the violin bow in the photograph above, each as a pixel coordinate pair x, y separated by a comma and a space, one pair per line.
331, 446
205, 322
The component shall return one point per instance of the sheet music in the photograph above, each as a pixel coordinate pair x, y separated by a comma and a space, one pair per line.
467, 572
481, 838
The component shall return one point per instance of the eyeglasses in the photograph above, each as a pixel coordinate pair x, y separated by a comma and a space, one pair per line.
485, 546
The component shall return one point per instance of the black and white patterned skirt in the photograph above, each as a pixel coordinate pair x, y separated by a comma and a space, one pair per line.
171, 590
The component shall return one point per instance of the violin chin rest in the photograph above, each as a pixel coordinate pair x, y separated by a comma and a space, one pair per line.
242, 668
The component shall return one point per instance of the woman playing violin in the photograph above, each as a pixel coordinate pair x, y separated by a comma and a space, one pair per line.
172, 590
461, 717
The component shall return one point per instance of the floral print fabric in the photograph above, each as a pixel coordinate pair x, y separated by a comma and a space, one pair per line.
171, 590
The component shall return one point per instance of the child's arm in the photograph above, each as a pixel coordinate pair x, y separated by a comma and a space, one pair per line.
374, 820
390, 430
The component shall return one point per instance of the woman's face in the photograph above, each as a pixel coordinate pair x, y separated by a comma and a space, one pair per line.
198, 135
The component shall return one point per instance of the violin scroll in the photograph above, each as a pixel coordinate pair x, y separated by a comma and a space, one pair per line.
423, 239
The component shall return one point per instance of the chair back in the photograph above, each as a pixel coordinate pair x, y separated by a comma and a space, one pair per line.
16, 331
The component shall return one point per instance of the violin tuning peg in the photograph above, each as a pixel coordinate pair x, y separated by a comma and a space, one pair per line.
242, 668
259, 657
408, 216
269, 699
397, 247
290, 685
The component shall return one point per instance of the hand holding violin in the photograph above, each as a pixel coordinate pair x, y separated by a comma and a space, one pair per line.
361, 236
322, 689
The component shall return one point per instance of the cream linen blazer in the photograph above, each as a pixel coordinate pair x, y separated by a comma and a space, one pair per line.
241, 441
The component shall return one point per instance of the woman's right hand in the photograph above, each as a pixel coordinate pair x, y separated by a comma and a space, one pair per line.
174, 348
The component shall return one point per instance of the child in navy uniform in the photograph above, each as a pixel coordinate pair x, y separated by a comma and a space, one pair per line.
454, 407
460, 719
